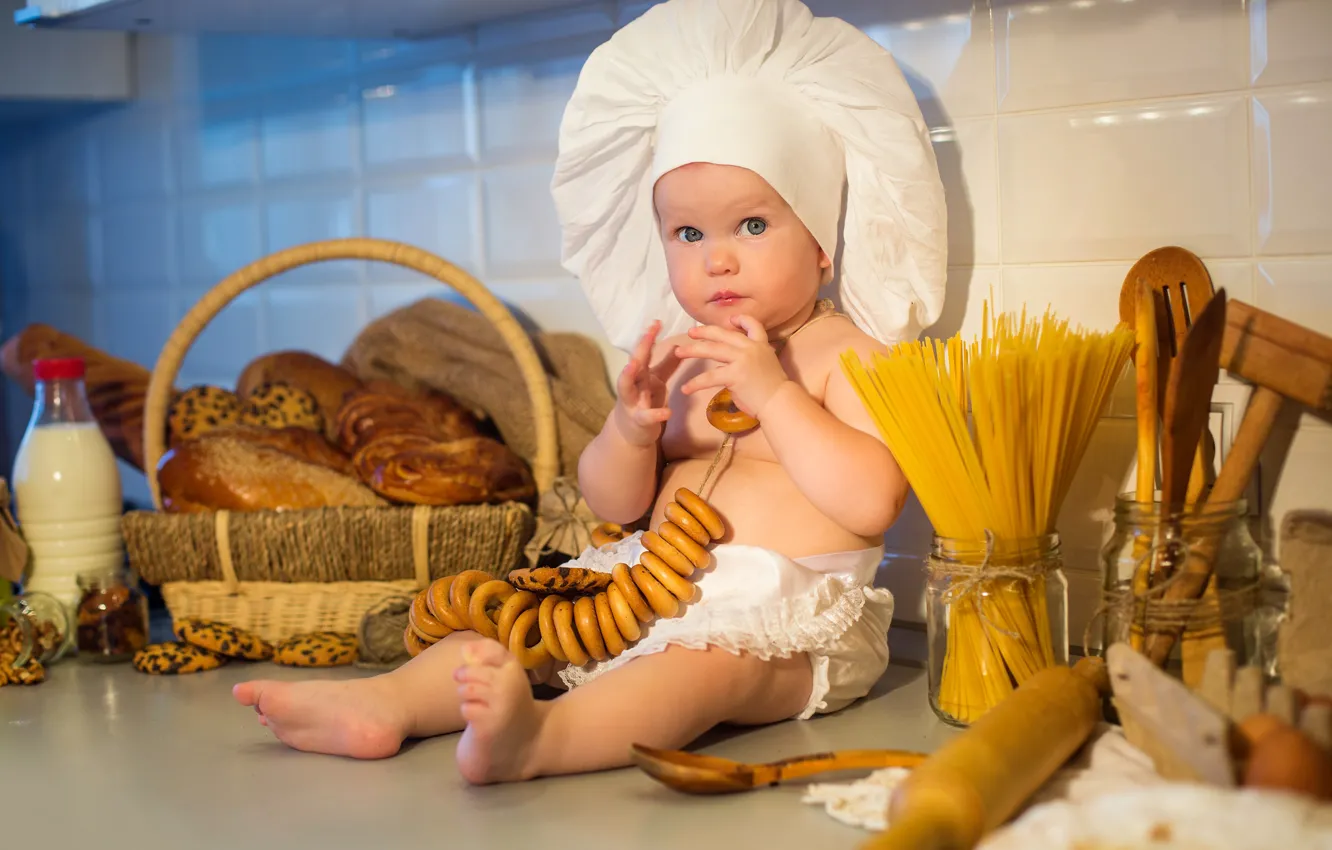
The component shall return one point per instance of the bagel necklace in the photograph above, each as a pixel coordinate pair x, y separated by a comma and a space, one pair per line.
578, 615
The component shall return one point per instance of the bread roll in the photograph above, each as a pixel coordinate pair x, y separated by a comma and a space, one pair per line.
221, 471
327, 382
417, 470
300, 443
370, 414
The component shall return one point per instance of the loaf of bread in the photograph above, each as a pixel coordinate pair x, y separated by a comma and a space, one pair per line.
223, 471
327, 382
374, 412
116, 388
417, 470
300, 443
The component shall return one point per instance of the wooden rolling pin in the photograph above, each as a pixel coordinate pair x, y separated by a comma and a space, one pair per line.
978, 780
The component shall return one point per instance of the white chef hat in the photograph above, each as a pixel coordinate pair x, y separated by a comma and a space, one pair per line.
812, 105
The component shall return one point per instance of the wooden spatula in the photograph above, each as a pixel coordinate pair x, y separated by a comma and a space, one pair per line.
1188, 401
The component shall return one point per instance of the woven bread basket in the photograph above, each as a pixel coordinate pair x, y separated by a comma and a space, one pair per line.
283, 573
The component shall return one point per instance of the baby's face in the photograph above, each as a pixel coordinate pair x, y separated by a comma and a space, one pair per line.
734, 246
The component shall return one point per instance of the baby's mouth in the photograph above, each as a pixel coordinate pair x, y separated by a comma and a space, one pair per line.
725, 297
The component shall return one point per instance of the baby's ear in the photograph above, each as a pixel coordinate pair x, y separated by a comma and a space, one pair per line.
824, 261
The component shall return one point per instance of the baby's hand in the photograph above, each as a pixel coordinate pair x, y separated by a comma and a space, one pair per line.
641, 408
749, 365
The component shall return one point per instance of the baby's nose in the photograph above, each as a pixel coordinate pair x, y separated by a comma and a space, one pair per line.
721, 261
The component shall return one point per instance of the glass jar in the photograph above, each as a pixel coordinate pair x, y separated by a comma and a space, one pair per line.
1144, 556
33, 627
996, 613
111, 618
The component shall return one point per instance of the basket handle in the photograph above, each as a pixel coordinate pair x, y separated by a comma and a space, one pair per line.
544, 466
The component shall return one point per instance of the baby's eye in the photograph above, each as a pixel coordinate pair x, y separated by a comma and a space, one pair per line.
689, 234
754, 226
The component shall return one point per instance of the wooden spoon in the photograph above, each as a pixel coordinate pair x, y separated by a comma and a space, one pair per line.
699, 774
1182, 287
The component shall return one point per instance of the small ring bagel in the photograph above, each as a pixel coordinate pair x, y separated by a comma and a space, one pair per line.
415, 646
437, 600
514, 606
633, 597
564, 629
688, 523
661, 600
585, 618
427, 624
702, 511
610, 633
673, 557
726, 417
607, 532
685, 545
530, 656
495, 590
460, 593
626, 621
681, 588
549, 634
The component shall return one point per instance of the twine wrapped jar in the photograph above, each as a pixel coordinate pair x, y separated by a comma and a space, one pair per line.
996, 613
1143, 556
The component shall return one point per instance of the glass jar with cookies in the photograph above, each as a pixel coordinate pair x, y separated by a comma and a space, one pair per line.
111, 617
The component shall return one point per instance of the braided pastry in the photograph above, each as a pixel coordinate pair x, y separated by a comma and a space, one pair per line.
414, 469
370, 413
537, 628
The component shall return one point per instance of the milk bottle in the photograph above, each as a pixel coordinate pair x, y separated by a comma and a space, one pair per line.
66, 484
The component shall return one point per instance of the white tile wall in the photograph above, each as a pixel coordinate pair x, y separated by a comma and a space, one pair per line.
1288, 41
1111, 182
435, 211
223, 147
414, 115
1071, 52
1291, 126
1073, 136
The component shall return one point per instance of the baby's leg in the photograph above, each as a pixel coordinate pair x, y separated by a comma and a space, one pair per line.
365, 718
663, 700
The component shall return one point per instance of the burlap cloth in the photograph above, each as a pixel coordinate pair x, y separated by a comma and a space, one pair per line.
446, 346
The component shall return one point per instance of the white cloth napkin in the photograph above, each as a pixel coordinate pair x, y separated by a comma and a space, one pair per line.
1106, 764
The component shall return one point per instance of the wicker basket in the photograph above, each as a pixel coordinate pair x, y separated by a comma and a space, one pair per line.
238, 567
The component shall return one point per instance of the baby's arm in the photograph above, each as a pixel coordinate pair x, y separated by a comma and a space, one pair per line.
833, 452
617, 472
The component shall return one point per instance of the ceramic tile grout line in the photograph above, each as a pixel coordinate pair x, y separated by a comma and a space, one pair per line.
606, 615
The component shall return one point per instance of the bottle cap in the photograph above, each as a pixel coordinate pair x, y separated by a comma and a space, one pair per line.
58, 368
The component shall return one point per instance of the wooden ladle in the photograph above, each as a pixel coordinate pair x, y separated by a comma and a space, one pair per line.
699, 774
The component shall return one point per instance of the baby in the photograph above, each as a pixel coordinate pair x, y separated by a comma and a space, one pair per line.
814, 485
717, 160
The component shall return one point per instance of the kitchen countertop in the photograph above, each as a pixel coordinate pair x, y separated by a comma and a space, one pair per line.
103, 756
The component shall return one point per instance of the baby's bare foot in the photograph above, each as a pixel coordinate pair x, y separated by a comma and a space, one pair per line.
503, 719
356, 718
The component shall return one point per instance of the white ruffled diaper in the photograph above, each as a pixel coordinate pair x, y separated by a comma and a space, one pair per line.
757, 601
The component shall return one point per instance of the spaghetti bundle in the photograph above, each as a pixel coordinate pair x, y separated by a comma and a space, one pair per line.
989, 434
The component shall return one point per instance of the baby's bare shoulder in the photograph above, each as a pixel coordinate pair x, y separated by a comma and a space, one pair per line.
833, 337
